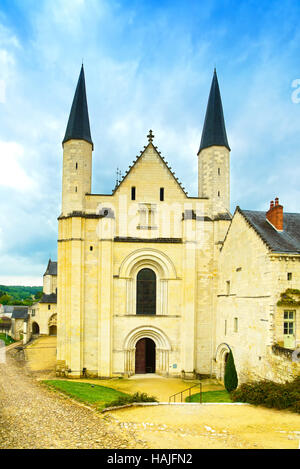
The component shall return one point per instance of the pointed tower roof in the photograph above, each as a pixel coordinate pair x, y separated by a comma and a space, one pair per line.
79, 124
51, 268
214, 131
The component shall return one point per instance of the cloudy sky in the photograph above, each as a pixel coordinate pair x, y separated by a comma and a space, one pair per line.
148, 64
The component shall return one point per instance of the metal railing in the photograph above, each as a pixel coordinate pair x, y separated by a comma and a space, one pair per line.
198, 385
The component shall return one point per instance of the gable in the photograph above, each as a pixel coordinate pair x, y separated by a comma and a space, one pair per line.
241, 238
148, 175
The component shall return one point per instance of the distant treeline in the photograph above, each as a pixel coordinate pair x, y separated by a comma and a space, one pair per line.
19, 295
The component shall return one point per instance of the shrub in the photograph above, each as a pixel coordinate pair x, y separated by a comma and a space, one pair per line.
230, 377
137, 397
296, 407
270, 394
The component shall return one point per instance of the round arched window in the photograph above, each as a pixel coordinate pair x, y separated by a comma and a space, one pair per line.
146, 292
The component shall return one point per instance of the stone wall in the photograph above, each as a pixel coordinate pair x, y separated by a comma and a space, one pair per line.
214, 177
281, 366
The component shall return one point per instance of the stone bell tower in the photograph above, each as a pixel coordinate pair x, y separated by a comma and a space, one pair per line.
77, 157
76, 183
214, 155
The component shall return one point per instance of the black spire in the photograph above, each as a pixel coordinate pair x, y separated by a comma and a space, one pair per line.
214, 132
79, 125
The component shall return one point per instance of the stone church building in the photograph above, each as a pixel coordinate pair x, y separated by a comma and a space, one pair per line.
151, 280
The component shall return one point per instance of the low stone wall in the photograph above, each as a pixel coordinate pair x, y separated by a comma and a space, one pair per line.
282, 364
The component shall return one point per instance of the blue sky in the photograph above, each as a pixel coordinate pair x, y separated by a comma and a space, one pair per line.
148, 64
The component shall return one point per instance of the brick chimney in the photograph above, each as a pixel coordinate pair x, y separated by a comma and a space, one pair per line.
275, 215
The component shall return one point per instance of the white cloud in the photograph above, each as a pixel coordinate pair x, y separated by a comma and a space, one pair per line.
22, 280
2, 91
13, 175
7, 38
140, 74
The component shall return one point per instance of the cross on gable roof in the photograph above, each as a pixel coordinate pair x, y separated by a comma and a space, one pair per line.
150, 137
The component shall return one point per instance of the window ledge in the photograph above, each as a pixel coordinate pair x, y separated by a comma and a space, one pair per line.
146, 227
148, 315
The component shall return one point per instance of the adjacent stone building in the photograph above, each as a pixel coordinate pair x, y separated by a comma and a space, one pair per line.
258, 305
16, 316
43, 314
151, 279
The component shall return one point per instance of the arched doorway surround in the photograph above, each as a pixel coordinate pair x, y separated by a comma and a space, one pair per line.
221, 359
162, 348
52, 324
156, 261
35, 328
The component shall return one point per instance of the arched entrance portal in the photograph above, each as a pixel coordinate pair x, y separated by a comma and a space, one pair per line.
222, 354
52, 324
52, 330
145, 359
157, 357
35, 328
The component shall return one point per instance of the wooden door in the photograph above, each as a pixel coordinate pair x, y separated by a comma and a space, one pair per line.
140, 356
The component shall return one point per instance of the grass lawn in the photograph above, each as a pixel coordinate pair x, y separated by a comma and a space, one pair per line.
7, 340
85, 392
211, 396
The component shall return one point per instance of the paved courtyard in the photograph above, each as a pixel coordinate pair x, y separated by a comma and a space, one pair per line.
215, 426
31, 416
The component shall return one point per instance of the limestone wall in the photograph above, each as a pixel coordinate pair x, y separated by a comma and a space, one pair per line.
256, 278
214, 177
49, 284
282, 265
245, 300
77, 175
281, 365
98, 263
41, 314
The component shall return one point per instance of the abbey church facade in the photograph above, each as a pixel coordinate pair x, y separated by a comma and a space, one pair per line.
144, 277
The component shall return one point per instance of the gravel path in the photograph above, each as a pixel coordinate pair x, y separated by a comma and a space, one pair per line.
31, 416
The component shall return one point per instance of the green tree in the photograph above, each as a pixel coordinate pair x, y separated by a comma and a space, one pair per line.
5, 299
230, 377
38, 295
